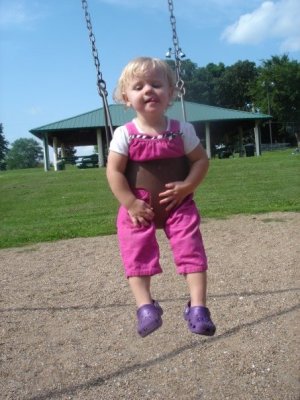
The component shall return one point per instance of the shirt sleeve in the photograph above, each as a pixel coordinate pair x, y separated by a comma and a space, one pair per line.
119, 142
190, 138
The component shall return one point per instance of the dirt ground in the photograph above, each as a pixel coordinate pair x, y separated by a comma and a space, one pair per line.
68, 320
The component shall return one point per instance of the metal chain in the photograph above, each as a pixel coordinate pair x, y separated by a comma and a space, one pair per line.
180, 83
100, 81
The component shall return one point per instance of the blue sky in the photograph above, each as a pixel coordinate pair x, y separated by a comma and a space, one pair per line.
47, 71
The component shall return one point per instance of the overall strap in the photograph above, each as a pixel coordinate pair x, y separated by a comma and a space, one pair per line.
131, 128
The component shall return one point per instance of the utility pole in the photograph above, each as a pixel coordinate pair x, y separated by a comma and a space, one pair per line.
268, 86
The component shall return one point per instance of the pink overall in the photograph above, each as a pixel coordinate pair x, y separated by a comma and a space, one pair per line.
138, 245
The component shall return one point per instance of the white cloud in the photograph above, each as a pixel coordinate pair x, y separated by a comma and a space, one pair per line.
17, 13
271, 20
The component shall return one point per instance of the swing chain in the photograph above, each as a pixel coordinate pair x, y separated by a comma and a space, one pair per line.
100, 81
177, 51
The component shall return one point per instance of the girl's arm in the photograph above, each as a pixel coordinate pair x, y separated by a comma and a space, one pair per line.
199, 167
139, 211
116, 165
177, 191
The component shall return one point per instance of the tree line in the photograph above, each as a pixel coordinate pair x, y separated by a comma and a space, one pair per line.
24, 153
271, 88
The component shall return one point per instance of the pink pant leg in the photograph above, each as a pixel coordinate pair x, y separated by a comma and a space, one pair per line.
183, 231
138, 246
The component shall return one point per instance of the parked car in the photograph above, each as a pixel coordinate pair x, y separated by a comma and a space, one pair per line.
87, 161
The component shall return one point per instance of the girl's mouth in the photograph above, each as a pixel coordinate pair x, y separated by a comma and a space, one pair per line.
151, 100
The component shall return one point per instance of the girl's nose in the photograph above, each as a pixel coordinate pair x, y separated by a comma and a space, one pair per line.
148, 88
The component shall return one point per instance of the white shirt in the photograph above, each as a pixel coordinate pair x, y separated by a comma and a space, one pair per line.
120, 140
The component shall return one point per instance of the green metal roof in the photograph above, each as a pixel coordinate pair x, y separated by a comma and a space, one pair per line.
120, 115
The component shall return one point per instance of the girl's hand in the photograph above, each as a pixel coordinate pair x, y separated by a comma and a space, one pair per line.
141, 213
175, 194
177, 191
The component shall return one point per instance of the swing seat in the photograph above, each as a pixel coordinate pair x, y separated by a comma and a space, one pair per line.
152, 176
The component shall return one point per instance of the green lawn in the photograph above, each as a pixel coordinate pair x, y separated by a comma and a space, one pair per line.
251, 185
36, 206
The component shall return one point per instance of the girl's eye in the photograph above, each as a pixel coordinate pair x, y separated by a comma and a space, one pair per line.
156, 85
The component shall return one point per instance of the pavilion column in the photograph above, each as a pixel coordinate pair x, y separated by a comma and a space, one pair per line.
100, 148
55, 155
63, 150
241, 135
46, 152
257, 137
207, 139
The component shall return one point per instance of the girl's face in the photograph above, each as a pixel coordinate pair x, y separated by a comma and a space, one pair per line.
149, 94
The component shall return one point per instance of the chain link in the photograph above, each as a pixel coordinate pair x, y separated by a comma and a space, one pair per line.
180, 83
100, 81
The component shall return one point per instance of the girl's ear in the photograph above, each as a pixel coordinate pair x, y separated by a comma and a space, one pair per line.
126, 101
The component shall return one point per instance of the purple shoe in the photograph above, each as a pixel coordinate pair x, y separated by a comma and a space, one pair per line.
149, 318
199, 321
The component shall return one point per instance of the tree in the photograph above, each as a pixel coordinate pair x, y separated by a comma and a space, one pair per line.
277, 91
3, 149
233, 87
24, 153
69, 154
201, 82
285, 78
273, 88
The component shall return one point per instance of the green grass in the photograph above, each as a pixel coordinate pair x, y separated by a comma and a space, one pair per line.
36, 206
251, 185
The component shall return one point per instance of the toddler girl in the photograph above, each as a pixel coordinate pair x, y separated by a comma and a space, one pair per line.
154, 165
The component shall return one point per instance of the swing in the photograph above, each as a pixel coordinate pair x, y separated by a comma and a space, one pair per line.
149, 175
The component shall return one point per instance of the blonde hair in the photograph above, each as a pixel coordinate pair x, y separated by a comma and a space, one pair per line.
138, 67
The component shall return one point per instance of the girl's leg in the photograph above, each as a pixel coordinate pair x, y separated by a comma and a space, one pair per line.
149, 311
140, 255
197, 283
139, 250
140, 287
183, 231
196, 313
